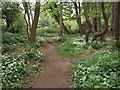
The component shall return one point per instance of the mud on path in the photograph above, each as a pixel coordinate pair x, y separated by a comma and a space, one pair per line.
56, 68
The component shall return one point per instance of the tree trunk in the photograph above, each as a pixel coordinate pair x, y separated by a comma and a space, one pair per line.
30, 10
61, 25
78, 18
57, 19
26, 7
96, 35
93, 19
98, 18
86, 28
111, 28
116, 22
8, 23
88, 22
27, 26
35, 23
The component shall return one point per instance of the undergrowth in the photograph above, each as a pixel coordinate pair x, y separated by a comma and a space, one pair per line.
98, 71
20, 64
72, 49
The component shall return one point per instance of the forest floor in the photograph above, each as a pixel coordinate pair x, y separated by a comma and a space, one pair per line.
56, 68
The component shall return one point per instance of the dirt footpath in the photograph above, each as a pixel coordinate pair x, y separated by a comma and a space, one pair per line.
56, 68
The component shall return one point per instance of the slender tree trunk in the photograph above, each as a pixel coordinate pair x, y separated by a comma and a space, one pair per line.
8, 23
57, 19
98, 18
86, 27
35, 23
106, 17
82, 31
26, 7
61, 25
88, 22
116, 22
78, 18
93, 19
30, 11
112, 20
27, 26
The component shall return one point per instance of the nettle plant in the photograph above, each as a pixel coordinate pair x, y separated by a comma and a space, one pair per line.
99, 71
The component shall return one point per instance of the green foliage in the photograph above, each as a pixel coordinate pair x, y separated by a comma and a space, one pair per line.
58, 39
10, 11
41, 40
19, 25
9, 38
45, 20
96, 45
26, 62
72, 49
7, 48
67, 50
99, 71
14, 67
72, 26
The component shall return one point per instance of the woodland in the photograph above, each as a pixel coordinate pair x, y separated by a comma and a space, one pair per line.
60, 44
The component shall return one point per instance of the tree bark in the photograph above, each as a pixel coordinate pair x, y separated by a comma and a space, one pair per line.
93, 19
35, 23
26, 7
8, 23
88, 22
27, 26
61, 25
116, 22
78, 18
57, 19
98, 20
30, 11
96, 35
111, 28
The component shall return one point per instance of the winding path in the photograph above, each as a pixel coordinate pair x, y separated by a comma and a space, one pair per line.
56, 68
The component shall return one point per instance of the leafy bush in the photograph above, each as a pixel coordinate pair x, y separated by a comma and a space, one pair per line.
99, 71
